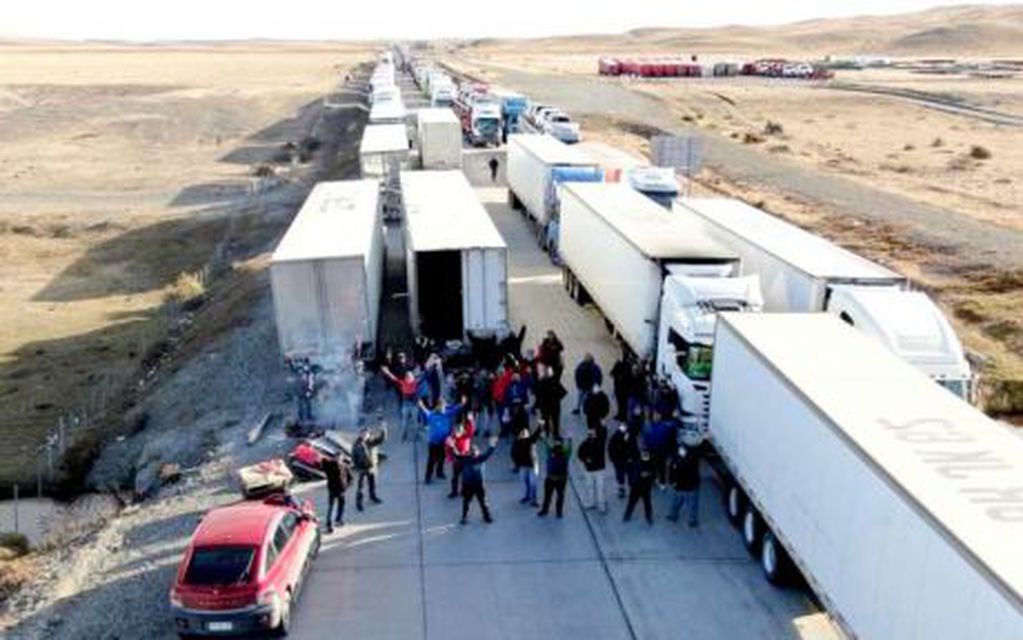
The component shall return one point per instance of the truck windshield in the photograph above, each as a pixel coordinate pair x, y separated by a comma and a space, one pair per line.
211, 566
487, 125
698, 361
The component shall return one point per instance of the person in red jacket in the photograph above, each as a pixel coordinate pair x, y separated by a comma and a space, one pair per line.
458, 445
408, 387
499, 390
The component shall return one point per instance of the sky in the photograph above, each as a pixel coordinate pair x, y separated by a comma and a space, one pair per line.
147, 20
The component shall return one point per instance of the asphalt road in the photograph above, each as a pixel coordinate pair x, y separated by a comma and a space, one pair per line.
962, 240
407, 569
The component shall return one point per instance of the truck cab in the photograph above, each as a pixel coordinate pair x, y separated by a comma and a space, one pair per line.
910, 325
483, 124
691, 299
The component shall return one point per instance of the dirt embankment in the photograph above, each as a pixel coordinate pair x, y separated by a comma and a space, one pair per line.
189, 409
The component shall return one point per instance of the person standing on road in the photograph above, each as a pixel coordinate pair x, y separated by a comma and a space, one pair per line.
366, 460
471, 464
494, 164
620, 449
523, 452
684, 473
593, 456
587, 375
439, 422
407, 386
550, 352
339, 478
459, 444
641, 483
596, 407
559, 452
620, 375
549, 393
483, 400
659, 437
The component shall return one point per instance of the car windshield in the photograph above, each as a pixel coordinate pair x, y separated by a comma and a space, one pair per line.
559, 118
220, 566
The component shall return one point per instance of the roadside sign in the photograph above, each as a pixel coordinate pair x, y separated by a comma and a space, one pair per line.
683, 153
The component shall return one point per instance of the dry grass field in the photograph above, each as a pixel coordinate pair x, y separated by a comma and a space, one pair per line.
949, 160
123, 169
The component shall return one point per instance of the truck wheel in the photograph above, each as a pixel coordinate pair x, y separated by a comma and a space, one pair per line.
513, 200
752, 529
735, 503
775, 561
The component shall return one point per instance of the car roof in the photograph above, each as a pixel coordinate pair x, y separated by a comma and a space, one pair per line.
243, 523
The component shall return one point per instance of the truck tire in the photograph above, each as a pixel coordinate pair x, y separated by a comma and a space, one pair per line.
513, 201
735, 504
752, 529
775, 561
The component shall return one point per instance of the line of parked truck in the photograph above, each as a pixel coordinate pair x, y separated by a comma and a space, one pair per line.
814, 374
674, 67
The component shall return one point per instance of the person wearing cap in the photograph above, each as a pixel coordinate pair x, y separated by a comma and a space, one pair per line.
641, 483
684, 474
471, 465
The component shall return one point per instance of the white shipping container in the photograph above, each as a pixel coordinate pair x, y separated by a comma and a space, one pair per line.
620, 245
530, 160
440, 139
456, 260
384, 147
388, 112
900, 503
326, 272
795, 267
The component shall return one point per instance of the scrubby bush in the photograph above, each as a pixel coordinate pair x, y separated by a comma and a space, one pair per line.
188, 290
14, 545
978, 152
773, 128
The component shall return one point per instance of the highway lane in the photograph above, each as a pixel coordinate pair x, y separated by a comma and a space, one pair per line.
407, 569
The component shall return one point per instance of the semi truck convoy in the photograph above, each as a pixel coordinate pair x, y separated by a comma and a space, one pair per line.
536, 165
657, 279
801, 272
898, 503
326, 273
456, 260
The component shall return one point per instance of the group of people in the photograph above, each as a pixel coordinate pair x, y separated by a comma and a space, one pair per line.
520, 401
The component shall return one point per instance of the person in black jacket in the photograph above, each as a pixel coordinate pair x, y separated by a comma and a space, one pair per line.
594, 458
621, 374
621, 448
366, 461
472, 480
641, 482
523, 453
596, 407
339, 478
684, 474
549, 392
587, 374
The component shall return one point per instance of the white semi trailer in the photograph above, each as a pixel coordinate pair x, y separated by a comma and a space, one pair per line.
456, 260
802, 272
383, 150
440, 139
900, 504
658, 280
326, 273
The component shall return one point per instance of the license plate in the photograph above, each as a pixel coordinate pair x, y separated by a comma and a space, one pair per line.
219, 626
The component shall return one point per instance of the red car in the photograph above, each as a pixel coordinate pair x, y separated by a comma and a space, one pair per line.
244, 567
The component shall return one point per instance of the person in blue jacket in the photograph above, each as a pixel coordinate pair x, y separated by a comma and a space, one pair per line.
659, 438
439, 423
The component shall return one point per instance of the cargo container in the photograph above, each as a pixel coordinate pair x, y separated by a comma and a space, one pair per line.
456, 260
326, 273
802, 272
898, 503
388, 112
384, 149
534, 162
440, 139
